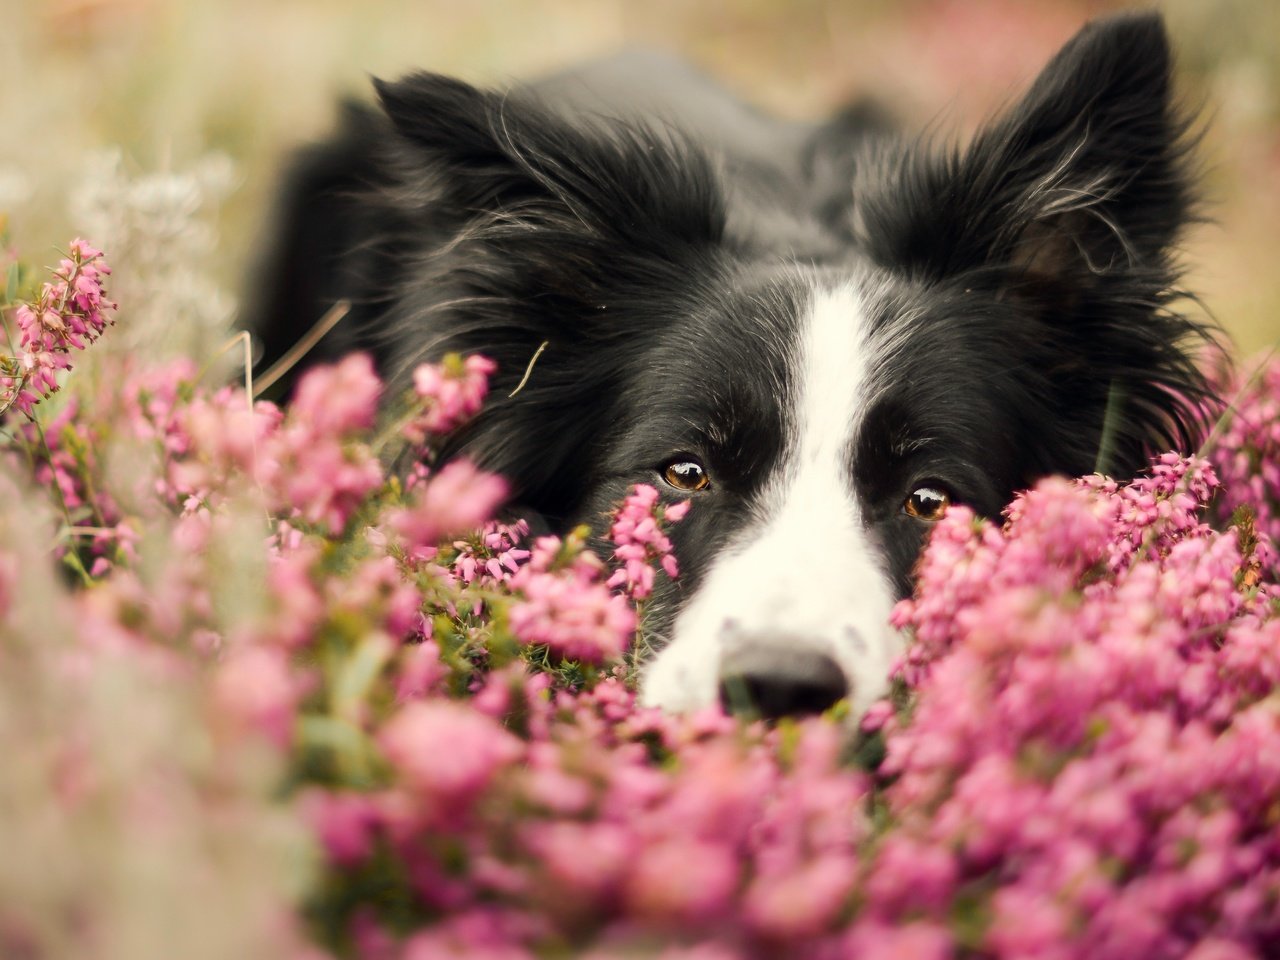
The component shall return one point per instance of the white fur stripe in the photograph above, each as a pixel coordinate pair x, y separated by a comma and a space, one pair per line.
805, 572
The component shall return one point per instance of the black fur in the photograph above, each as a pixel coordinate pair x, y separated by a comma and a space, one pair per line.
1028, 281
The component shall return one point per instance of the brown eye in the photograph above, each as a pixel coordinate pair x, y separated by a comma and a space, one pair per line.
686, 475
927, 503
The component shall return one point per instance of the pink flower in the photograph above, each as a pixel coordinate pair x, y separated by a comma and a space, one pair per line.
256, 687
343, 821
492, 557
801, 902
453, 392
689, 881
376, 591
70, 313
1216, 948
640, 542
585, 862
478, 935
339, 399
565, 607
445, 750
456, 500
1247, 454
910, 941
577, 620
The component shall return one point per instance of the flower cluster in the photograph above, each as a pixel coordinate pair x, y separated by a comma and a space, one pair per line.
641, 542
70, 312
1247, 455
451, 393
351, 716
1085, 747
492, 555
565, 606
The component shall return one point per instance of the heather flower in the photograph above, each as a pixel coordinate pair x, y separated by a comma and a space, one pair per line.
70, 313
338, 400
802, 901
492, 556
586, 862
452, 392
1080, 759
639, 541
910, 941
297, 607
375, 590
256, 688
480, 935
457, 499
445, 751
344, 821
1102, 685
421, 672
215, 441
578, 621
564, 605
685, 880
1246, 456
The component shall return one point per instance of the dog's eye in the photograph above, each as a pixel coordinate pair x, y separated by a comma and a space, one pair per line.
927, 503
686, 475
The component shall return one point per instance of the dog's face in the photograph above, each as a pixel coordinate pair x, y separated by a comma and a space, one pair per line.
839, 424
963, 323
820, 419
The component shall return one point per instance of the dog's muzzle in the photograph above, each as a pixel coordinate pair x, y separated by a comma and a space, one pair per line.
780, 679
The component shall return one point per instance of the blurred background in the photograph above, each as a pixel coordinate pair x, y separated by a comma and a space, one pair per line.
156, 127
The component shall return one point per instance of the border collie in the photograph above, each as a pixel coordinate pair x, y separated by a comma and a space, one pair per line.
822, 334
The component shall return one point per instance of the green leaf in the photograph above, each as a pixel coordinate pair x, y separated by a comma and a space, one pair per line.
357, 675
13, 279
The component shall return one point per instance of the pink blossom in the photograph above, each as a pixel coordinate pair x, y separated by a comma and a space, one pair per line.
421, 672
586, 862
492, 556
339, 399
910, 941
343, 821
786, 906
475, 936
457, 499
71, 312
1246, 456
1080, 753
446, 751
257, 687
682, 881
565, 607
640, 542
453, 392
579, 621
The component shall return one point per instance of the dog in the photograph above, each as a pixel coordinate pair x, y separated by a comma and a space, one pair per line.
822, 335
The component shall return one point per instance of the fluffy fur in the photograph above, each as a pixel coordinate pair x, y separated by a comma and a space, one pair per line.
826, 318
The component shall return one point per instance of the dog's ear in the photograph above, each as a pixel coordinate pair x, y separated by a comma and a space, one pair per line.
507, 158
1091, 166
1085, 176
1058, 223
544, 235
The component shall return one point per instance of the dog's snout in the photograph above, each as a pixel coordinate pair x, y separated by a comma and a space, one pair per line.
780, 681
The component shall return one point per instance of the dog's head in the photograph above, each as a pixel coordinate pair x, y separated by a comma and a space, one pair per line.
967, 321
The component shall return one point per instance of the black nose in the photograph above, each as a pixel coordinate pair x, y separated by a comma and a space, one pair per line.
780, 681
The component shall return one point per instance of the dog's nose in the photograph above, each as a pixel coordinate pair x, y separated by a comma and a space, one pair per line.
780, 681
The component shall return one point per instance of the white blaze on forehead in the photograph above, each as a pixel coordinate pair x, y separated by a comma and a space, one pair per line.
804, 573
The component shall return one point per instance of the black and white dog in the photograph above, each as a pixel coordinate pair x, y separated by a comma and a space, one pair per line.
823, 335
